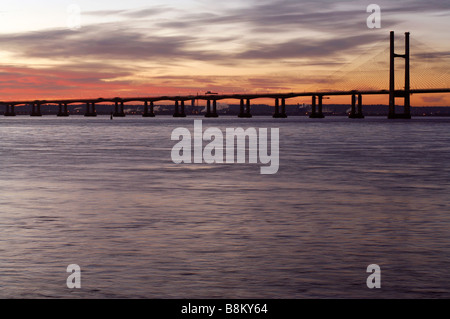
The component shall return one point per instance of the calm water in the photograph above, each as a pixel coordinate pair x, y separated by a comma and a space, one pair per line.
105, 195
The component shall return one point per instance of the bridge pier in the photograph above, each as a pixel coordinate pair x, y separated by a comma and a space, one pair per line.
278, 114
182, 112
314, 113
62, 110
360, 106
245, 113
90, 110
248, 109
241, 109
178, 112
10, 110
313, 107
283, 108
148, 113
35, 109
277, 109
208, 109
214, 109
356, 113
119, 110
212, 113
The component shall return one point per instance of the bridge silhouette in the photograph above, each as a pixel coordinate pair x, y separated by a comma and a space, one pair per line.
245, 99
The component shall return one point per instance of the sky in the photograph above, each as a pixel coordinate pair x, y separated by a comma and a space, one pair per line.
89, 49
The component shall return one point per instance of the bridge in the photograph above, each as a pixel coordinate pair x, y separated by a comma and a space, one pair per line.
245, 99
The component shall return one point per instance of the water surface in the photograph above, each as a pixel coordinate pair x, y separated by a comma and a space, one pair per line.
106, 195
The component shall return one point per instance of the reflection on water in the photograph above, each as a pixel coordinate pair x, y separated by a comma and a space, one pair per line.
105, 195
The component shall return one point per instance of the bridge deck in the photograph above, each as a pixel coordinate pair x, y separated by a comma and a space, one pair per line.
219, 97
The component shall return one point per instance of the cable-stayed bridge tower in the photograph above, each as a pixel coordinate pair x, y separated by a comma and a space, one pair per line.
406, 93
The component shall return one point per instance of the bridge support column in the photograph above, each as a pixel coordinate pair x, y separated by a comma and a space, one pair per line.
119, 110
247, 112
90, 110
360, 107
182, 110
152, 109
277, 109
208, 108
122, 109
241, 109
36, 109
407, 110
177, 111
321, 106
62, 110
147, 112
278, 114
313, 107
314, 113
406, 94
356, 113
283, 108
10, 110
353, 112
213, 112
214, 109
145, 109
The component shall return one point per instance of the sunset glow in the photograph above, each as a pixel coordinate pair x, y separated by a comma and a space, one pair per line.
138, 48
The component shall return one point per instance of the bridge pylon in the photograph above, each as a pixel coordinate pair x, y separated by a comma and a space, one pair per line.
406, 93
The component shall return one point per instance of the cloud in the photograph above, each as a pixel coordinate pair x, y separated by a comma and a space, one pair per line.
107, 41
142, 13
167, 48
337, 17
256, 29
306, 48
